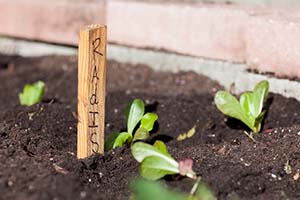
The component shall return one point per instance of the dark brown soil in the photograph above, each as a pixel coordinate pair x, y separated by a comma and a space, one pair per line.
38, 155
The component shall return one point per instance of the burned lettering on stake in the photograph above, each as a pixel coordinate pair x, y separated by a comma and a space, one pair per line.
94, 115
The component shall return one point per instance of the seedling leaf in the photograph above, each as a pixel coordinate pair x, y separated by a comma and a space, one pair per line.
148, 121
230, 106
122, 139
260, 93
154, 167
156, 162
109, 141
142, 150
249, 109
136, 113
159, 145
140, 134
150, 190
32, 93
204, 193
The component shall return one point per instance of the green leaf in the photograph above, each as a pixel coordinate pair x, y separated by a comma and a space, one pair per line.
160, 146
245, 100
142, 150
230, 106
109, 141
260, 93
250, 106
136, 113
140, 134
150, 190
32, 94
246, 105
154, 163
127, 110
122, 138
154, 167
258, 121
204, 193
148, 121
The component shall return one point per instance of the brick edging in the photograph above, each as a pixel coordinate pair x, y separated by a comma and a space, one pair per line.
265, 38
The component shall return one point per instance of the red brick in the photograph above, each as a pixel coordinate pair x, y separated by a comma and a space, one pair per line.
212, 31
52, 21
273, 43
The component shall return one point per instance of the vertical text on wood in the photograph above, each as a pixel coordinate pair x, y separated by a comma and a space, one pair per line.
91, 90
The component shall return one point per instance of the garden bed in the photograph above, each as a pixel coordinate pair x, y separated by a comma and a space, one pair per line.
38, 151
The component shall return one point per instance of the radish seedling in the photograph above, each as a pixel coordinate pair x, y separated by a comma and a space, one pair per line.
248, 109
156, 162
32, 93
149, 190
135, 115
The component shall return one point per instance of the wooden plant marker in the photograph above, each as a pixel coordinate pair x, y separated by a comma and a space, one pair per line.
91, 90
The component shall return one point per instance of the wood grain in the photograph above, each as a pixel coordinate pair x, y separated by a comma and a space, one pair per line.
91, 90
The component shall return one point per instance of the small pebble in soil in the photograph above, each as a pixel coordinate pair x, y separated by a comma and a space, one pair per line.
273, 176
236, 142
10, 183
82, 194
30, 187
116, 110
247, 164
296, 176
298, 133
211, 135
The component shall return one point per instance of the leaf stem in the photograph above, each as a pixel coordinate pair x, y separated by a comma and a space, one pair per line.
195, 186
250, 135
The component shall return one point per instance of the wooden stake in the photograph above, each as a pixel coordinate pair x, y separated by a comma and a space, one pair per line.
91, 90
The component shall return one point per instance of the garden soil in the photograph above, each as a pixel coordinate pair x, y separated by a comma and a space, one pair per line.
38, 144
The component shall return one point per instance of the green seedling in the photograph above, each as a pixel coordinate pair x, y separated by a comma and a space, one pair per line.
32, 93
156, 162
136, 115
248, 109
149, 190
